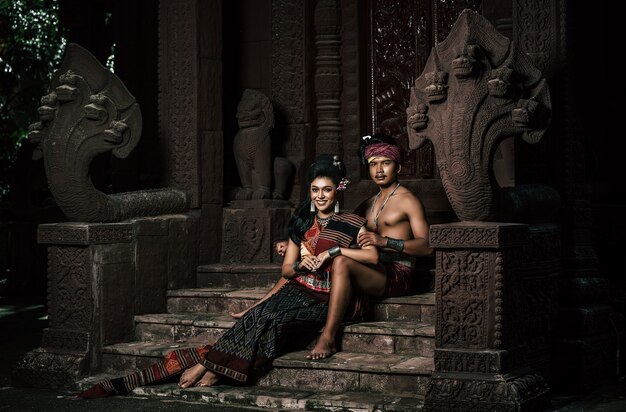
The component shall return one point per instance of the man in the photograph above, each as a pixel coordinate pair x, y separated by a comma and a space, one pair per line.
396, 221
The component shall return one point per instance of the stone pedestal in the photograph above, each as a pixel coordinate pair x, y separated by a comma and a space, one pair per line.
99, 276
482, 358
250, 229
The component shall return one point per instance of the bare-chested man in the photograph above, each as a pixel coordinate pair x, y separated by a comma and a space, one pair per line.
395, 218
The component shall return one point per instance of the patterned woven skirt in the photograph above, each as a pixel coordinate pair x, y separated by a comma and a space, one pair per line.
288, 320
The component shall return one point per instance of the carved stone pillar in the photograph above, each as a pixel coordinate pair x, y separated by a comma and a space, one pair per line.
190, 109
250, 229
99, 276
328, 79
480, 357
290, 89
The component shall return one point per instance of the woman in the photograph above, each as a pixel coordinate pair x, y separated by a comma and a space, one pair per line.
319, 239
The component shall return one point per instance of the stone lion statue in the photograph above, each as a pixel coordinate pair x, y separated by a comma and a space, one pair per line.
253, 151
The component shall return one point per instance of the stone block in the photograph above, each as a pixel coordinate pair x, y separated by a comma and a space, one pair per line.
182, 260
313, 379
415, 345
249, 233
150, 274
398, 384
365, 343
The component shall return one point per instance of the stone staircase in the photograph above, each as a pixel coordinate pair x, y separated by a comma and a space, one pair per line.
384, 364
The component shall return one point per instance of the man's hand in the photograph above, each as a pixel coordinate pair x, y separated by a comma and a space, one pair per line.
366, 238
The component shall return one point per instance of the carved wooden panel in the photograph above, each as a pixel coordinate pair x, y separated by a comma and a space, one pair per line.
400, 36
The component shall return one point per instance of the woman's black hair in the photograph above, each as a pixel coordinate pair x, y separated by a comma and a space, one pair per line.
373, 139
325, 165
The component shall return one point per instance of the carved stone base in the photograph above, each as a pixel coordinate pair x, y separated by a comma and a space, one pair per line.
486, 392
250, 229
100, 275
43, 369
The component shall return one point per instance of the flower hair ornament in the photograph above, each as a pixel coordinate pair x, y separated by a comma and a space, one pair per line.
343, 184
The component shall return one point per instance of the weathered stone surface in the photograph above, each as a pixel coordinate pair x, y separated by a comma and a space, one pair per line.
238, 276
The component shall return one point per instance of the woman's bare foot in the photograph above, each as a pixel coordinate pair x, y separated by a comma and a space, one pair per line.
239, 315
324, 348
192, 375
209, 379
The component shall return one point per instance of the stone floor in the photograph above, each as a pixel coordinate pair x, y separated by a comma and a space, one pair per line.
21, 324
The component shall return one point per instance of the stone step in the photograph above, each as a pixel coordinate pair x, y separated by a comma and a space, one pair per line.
237, 276
418, 308
245, 276
284, 399
343, 372
397, 337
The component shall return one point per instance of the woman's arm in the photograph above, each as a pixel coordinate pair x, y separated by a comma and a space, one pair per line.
295, 264
367, 255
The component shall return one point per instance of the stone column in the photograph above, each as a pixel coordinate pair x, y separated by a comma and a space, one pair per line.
190, 109
480, 357
328, 79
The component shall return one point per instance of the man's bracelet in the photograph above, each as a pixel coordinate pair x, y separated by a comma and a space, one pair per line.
334, 251
395, 244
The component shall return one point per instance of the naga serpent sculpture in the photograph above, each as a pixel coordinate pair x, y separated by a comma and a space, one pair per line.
89, 112
477, 89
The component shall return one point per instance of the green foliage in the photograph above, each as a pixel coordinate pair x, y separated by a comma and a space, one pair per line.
31, 47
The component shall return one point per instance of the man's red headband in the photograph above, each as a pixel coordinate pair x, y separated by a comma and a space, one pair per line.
389, 151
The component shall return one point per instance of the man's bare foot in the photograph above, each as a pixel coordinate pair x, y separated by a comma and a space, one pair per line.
191, 376
209, 379
324, 348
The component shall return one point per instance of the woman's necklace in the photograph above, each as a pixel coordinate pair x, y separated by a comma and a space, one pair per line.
383, 205
323, 221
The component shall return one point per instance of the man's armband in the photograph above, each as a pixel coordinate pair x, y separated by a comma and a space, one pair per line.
395, 244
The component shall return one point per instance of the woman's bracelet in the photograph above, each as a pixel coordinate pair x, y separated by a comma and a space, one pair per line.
334, 251
395, 244
296, 267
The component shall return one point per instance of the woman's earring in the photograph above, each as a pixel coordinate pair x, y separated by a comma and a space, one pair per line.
337, 206
312, 207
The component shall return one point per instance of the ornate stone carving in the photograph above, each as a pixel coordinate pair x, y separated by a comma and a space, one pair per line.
328, 79
463, 305
493, 92
253, 151
178, 93
89, 112
449, 393
69, 288
477, 235
84, 234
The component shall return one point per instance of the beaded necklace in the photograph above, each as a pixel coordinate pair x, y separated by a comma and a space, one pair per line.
323, 221
383, 205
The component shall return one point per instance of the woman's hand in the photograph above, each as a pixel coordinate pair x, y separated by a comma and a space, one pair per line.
309, 262
322, 258
367, 238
